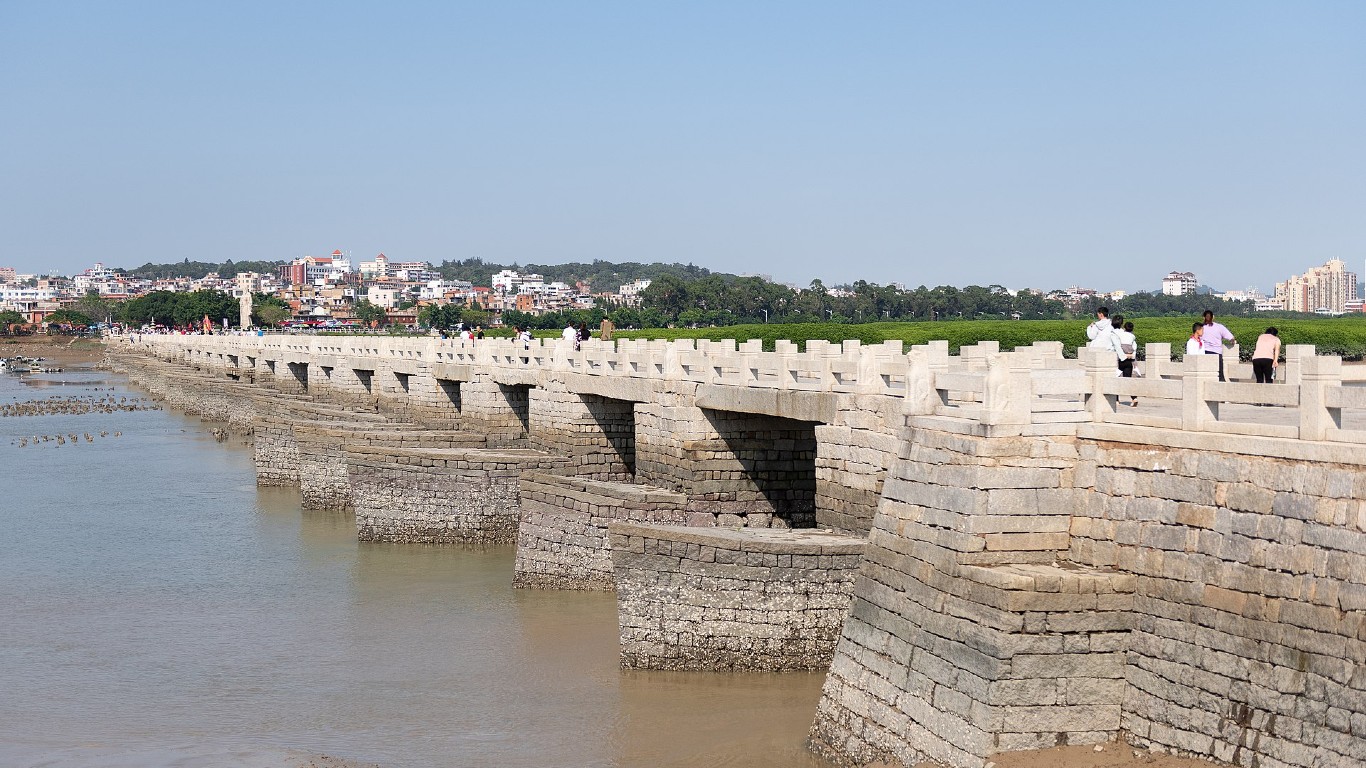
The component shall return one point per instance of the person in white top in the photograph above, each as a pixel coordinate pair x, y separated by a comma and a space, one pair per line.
1097, 331
1194, 345
570, 333
1126, 349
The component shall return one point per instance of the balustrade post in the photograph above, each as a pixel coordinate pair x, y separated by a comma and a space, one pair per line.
1099, 364
1157, 359
1317, 374
1295, 355
1007, 392
869, 358
1199, 373
673, 359
921, 397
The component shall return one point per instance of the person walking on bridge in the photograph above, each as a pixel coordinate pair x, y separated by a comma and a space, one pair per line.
1126, 348
1096, 332
1213, 338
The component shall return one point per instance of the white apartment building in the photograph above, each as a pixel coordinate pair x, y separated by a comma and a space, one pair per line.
21, 298
415, 274
1179, 284
375, 270
512, 281
630, 293
246, 283
440, 289
98, 278
387, 297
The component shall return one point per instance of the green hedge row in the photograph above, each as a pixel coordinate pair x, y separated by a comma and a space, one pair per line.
1345, 336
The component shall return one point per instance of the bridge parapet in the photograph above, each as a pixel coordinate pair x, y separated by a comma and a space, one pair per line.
1030, 390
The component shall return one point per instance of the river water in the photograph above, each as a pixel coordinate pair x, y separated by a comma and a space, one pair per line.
158, 609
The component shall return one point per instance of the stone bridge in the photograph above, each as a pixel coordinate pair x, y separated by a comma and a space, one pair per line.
989, 551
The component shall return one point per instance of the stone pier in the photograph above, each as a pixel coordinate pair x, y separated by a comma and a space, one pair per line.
321, 447
731, 599
562, 535
439, 495
276, 445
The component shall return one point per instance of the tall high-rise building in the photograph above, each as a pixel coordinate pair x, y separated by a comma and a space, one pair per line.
1326, 289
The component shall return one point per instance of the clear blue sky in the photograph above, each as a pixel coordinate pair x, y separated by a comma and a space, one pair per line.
1026, 144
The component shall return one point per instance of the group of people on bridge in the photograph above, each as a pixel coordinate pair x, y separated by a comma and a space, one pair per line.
1207, 337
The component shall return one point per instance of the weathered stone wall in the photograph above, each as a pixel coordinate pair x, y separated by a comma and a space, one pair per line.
723, 599
337, 382
742, 469
439, 496
290, 378
562, 539
965, 638
496, 410
323, 479
596, 433
853, 456
210, 396
1176, 590
275, 453
1249, 642
275, 445
432, 403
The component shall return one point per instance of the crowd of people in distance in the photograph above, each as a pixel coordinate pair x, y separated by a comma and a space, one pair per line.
1207, 338
464, 332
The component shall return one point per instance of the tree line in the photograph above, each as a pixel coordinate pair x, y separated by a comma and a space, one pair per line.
717, 300
168, 308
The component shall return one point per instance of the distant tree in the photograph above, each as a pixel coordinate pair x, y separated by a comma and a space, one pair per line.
95, 306
475, 316
69, 317
215, 305
10, 321
270, 315
1146, 304
169, 308
442, 317
269, 310
369, 314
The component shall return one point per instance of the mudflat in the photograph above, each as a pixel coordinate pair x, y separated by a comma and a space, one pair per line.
61, 350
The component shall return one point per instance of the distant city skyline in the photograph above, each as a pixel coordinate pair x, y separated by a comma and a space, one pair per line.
1160, 283
1039, 145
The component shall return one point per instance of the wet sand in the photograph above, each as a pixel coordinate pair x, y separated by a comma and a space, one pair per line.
59, 350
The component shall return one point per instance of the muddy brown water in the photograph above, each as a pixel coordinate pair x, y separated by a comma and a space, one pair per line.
158, 609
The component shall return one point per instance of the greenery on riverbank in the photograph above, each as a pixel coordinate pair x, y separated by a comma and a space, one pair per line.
1345, 336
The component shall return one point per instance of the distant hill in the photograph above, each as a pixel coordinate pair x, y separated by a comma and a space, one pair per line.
602, 275
198, 269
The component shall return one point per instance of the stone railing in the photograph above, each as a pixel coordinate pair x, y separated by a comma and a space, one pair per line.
1031, 389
